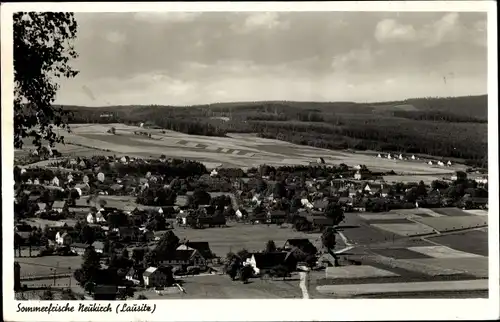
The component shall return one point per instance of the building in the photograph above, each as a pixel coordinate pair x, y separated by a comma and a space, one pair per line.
184, 258
266, 261
59, 205
277, 217
79, 248
320, 222
98, 246
320, 205
154, 277
135, 275
202, 247
63, 239
303, 244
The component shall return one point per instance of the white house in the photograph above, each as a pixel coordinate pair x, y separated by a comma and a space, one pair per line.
357, 167
63, 239
239, 214
55, 181
449, 163
389, 156
36, 181
413, 157
482, 180
441, 164
90, 218
99, 217
357, 175
154, 277
306, 203
214, 173
400, 157
379, 156
429, 163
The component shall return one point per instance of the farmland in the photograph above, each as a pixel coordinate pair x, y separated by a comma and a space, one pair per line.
236, 150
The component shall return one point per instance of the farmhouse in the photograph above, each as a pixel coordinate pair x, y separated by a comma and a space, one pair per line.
303, 244
184, 258
263, 261
202, 247
277, 217
135, 275
320, 205
58, 205
154, 277
79, 248
63, 238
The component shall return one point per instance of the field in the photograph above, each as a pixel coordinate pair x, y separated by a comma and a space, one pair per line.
238, 236
235, 150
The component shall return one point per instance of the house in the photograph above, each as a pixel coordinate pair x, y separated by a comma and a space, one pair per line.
90, 218
277, 217
154, 277
135, 275
326, 260
184, 258
63, 239
128, 232
98, 246
58, 205
202, 247
41, 206
320, 222
79, 248
320, 205
264, 261
358, 176
372, 188
384, 192
303, 244
148, 235
105, 292
359, 205
55, 181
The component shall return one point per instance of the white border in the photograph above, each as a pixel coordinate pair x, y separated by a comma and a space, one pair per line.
264, 310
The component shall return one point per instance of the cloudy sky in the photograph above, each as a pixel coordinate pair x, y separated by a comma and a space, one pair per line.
192, 58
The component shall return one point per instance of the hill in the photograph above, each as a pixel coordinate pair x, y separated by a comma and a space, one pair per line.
454, 127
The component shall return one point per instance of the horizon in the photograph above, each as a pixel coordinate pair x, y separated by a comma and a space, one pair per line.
274, 101
197, 58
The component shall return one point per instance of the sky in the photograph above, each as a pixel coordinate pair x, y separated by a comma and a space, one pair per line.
187, 58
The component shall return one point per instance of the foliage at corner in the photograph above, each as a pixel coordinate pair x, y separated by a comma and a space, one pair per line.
42, 51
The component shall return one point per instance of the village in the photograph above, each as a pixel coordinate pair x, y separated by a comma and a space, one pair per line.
118, 219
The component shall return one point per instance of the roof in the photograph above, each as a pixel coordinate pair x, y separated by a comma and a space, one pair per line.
321, 204
268, 260
80, 245
298, 242
182, 255
202, 247
278, 213
320, 220
58, 204
149, 271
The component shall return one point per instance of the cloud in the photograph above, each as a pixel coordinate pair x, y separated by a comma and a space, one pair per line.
262, 21
445, 29
355, 59
115, 37
389, 30
174, 17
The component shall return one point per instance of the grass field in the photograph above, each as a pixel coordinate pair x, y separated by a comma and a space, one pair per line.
236, 150
238, 236
221, 287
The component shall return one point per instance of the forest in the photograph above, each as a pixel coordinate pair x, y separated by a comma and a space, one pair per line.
453, 128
